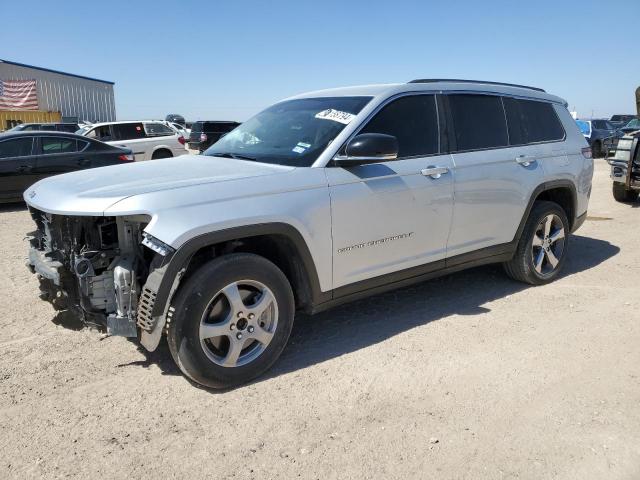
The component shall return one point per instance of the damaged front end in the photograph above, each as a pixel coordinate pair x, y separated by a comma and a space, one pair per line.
93, 267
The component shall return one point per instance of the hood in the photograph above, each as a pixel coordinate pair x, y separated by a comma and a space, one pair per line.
92, 191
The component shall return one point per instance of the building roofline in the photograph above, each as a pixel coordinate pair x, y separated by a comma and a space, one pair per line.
8, 62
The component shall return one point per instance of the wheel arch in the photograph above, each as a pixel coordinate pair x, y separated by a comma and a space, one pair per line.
562, 192
161, 148
280, 243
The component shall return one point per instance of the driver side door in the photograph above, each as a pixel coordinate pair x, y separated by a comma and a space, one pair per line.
391, 220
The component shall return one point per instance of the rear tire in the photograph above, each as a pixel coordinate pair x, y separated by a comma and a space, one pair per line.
543, 246
621, 194
161, 154
232, 319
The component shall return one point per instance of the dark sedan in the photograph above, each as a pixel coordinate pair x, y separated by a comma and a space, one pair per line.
26, 157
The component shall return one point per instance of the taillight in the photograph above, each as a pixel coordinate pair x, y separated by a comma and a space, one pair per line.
203, 137
181, 140
126, 158
586, 152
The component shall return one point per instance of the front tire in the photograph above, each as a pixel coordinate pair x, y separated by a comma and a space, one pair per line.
596, 150
542, 249
621, 194
231, 320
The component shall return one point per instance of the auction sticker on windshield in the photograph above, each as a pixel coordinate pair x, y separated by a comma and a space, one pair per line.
336, 116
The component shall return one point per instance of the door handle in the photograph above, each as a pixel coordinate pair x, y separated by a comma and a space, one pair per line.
434, 172
24, 168
525, 160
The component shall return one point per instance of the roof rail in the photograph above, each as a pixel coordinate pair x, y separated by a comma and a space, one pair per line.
456, 80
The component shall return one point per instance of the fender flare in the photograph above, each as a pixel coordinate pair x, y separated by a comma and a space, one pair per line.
167, 275
543, 187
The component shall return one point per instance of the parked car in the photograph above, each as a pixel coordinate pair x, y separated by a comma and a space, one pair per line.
625, 168
320, 199
206, 133
620, 121
26, 157
601, 135
56, 127
149, 140
175, 118
181, 129
632, 126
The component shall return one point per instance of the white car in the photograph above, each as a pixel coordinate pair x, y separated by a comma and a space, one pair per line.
181, 129
148, 140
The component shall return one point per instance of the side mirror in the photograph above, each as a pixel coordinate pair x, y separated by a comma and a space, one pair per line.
368, 148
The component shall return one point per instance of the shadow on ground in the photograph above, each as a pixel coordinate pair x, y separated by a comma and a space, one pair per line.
366, 322
13, 207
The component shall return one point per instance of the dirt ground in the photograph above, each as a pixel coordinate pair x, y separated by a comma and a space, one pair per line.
471, 376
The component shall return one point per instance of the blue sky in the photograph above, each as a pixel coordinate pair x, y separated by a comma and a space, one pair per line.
228, 60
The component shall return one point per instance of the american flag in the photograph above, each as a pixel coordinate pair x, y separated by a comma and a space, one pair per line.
18, 95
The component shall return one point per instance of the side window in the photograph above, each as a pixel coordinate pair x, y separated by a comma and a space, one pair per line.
413, 121
128, 131
102, 133
82, 145
17, 147
158, 130
479, 122
531, 121
51, 145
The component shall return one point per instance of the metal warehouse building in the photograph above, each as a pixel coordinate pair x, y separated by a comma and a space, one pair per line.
60, 96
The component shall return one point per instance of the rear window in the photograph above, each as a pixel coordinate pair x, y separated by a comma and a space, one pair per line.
158, 129
531, 121
51, 145
479, 122
197, 127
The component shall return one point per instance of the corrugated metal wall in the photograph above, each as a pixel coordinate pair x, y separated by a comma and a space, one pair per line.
71, 96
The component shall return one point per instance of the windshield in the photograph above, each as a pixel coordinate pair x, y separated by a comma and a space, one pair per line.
17, 128
585, 128
83, 130
633, 124
292, 133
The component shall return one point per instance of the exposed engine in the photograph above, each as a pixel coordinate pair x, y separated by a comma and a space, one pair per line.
92, 266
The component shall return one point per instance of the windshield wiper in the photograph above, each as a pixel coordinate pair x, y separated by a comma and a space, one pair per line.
233, 155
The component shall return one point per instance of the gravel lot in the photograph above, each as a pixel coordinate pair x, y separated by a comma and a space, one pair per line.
469, 376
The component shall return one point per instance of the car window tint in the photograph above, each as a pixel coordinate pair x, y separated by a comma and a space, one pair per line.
51, 145
413, 121
17, 147
479, 122
128, 131
158, 129
49, 128
81, 145
531, 122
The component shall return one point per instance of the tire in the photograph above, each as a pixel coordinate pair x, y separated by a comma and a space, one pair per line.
203, 332
621, 194
596, 150
534, 264
162, 153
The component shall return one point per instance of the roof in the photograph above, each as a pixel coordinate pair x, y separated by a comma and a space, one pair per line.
31, 133
8, 62
434, 86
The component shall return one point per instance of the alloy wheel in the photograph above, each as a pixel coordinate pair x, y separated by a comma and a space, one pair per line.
239, 323
548, 245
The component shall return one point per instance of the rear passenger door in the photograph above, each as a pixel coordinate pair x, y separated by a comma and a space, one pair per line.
59, 154
132, 135
493, 178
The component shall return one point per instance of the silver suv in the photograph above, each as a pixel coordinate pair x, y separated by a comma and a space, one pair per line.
318, 200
